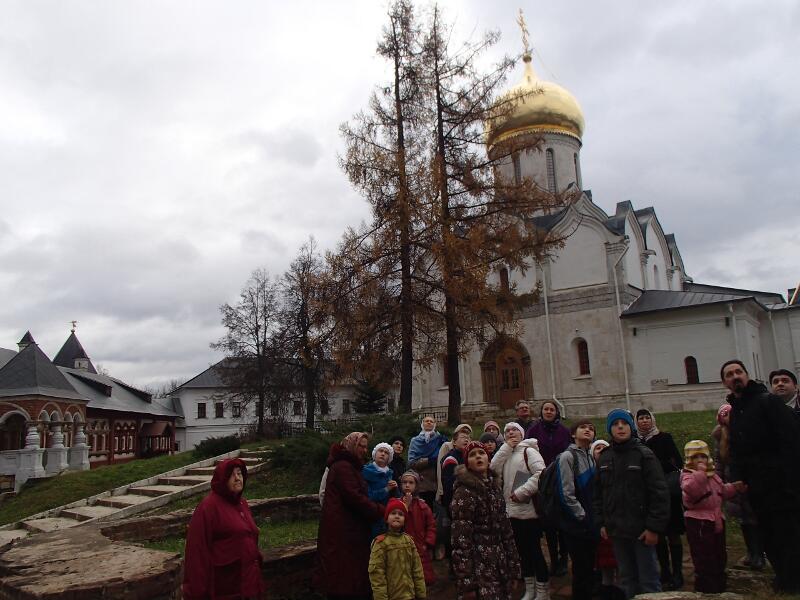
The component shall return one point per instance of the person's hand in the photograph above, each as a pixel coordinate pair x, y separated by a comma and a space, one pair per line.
392, 485
514, 585
603, 533
422, 463
740, 486
407, 497
515, 498
650, 538
702, 467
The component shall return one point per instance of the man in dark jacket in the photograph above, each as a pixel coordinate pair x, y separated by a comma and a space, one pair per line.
631, 504
764, 451
784, 385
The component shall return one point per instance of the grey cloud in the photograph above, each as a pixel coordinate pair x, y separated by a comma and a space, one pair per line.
295, 147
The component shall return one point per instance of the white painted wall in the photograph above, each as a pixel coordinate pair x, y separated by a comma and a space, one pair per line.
581, 262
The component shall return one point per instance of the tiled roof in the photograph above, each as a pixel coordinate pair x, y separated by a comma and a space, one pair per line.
30, 372
6, 355
108, 393
70, 351
210, 378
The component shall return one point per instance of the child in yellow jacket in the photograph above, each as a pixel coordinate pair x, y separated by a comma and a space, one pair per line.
395, 569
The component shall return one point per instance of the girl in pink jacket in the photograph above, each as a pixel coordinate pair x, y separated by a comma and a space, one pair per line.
703, 492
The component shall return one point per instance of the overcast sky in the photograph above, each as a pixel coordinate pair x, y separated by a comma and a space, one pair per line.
152, 154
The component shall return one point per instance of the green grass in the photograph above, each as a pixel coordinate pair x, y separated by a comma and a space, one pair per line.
683, 426
271, 535
72, 486
269, 483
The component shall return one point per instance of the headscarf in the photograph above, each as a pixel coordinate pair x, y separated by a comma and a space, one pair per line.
463, 427
723, 412
653, 430
425, 444
427, 434
351, 440
385, 446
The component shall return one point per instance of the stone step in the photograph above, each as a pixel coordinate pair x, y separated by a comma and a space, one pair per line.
251, 461
9, 535
49, 524
85, 513
156, 490
260, 454
123, 500
201, 471
184, 480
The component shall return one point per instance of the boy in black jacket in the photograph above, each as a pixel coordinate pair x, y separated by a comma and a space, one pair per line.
631, 504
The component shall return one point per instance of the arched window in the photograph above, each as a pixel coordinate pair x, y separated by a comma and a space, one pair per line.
517, 167
551, 170
582, 352
692, 375
504, 279
577, 171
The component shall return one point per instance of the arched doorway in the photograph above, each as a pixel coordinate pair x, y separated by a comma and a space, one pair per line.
12, 432
506, 373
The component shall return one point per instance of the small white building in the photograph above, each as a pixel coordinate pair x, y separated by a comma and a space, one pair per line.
207, 409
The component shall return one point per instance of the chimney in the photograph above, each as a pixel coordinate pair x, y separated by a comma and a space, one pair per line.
26, 341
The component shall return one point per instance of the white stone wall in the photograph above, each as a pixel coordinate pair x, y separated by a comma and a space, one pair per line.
582, 260
533, 163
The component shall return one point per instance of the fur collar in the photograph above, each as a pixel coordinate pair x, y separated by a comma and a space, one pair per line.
467, 478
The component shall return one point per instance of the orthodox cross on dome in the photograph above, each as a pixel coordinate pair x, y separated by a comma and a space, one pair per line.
525, 39
74, 326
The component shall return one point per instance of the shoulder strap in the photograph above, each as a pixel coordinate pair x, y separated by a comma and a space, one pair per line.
525, 456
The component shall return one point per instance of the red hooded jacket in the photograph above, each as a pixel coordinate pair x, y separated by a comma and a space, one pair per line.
222, 560
421, 526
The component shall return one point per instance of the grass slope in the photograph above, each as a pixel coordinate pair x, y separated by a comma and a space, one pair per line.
75, 485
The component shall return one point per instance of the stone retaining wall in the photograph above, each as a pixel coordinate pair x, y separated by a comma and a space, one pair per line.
103, 561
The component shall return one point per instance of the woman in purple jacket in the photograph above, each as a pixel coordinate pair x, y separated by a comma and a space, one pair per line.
552, 438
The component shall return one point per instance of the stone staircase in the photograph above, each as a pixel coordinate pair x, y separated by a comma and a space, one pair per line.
132, 498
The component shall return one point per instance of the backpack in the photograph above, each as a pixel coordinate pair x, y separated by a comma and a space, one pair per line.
546, 500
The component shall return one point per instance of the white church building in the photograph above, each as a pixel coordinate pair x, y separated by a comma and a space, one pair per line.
619, 322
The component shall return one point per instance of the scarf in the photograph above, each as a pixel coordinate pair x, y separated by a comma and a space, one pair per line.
653, 431
425, 445
351, 440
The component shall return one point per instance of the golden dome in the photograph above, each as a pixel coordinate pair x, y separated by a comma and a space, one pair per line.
536, 106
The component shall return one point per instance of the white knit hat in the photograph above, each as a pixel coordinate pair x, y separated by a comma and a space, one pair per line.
385, 446
514, 425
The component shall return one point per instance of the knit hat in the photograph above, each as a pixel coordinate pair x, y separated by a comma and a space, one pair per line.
385, 446
394, 504
642, 412
597, 443
514, 425
723, 412
620, 413
411, 473
397, 438
470, 447
487, 437
488, 423
694, 448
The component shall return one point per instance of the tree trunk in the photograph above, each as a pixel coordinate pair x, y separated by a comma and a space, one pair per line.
406, 315
311, 398
451, 328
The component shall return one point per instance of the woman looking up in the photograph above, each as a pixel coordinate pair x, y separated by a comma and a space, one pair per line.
222, 559
343, 541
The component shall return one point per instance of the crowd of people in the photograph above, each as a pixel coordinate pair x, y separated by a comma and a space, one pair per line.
615, 509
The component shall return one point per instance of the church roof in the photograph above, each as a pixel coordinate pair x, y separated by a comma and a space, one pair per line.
763, 297
108, 393
27, 338
70, 351
652, 301
30, 372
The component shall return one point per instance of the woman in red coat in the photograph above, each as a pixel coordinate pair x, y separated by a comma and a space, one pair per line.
222, 560
343, 541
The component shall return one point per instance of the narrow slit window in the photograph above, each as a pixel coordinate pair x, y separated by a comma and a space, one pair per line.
551, 170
